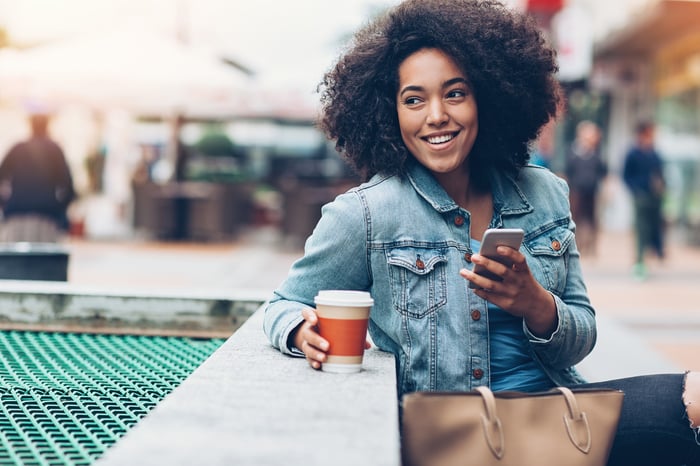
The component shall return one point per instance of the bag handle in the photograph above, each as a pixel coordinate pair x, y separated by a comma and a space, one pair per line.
493, 430
575, 420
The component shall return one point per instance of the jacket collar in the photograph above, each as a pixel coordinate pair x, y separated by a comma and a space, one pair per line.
427, 186
508, 198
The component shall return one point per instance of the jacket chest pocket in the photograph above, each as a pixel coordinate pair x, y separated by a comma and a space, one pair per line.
417, 279
549, 252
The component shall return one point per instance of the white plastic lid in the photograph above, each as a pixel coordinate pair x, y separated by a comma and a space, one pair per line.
344, 298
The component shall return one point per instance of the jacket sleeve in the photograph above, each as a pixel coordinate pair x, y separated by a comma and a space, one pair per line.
575, 335
335, 257
573, 339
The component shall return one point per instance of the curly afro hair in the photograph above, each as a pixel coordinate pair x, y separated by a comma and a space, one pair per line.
503, 54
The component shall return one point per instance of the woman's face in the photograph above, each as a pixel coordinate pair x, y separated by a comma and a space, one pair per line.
436, 110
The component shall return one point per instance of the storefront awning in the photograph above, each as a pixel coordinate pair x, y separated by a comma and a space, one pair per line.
665, 21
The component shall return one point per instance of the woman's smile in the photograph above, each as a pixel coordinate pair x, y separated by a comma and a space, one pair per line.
440, 139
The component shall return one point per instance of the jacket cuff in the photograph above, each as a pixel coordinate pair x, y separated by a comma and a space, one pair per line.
534, 338
286, 346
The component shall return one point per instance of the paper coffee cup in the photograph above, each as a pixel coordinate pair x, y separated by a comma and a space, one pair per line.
342, 320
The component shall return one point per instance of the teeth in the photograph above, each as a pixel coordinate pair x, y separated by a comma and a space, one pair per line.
440, 139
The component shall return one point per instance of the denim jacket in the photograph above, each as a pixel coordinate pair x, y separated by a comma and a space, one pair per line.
404, 240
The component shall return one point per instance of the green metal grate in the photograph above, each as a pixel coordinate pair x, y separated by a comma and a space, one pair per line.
67, 397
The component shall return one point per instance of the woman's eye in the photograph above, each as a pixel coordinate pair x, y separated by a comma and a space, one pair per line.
456, 93
411, 101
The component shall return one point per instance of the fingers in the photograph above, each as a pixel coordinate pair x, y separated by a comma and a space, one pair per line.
497, 273
309, 316
519, 266
309, 341
479, 282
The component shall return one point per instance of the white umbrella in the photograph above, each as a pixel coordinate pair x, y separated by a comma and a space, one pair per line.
131, 69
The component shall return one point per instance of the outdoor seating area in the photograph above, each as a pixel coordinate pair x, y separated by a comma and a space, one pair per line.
194, 211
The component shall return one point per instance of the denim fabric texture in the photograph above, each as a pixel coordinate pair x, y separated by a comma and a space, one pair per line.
654, 427
403, 239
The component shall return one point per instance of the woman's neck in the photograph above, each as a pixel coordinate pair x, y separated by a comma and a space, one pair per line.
478, 203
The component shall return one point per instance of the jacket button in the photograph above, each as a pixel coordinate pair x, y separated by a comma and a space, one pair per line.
477, 373
556, 245
459, 220
420, 264
468, 257
476, 315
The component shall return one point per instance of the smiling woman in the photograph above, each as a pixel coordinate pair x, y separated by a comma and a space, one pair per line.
436, 103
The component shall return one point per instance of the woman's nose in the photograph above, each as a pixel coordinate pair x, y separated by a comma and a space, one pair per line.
437, 115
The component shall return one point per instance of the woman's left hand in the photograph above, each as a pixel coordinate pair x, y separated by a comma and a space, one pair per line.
518, 293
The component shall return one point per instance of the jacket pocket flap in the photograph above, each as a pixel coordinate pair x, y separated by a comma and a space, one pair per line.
418, 261
554, 242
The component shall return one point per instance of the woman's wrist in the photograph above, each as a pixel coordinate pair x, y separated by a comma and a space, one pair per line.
543, 321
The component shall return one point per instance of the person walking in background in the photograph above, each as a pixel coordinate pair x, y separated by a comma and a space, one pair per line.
585, 168
36, 187
643, 175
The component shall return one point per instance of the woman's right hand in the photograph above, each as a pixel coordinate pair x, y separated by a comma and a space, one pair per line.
307, 339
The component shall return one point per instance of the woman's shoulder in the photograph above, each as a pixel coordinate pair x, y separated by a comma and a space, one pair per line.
375, 189
382, 197
382, 188
535, 177
544, 190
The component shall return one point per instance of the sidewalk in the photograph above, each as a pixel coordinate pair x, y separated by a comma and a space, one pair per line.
661, 312
256, 262
647, 326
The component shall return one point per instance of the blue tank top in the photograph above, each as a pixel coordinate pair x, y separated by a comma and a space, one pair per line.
512, 367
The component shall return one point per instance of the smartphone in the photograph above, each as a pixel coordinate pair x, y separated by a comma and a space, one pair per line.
494, 237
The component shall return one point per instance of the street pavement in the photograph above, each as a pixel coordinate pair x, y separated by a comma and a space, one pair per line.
661, 312
644, 326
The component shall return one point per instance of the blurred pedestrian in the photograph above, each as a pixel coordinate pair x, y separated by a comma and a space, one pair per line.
643, 175
585, 168
36, 187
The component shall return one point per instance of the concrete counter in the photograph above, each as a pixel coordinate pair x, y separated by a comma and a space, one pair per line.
250, 405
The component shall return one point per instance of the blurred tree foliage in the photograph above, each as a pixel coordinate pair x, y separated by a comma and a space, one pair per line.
216, 158
216, 143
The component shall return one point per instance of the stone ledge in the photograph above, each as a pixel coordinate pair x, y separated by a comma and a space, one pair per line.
60, 306
250, 405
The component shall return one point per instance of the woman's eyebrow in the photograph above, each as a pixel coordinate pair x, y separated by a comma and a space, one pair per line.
410, 88
453, 81
448, 83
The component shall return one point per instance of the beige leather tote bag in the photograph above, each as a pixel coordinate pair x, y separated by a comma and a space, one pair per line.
561, 427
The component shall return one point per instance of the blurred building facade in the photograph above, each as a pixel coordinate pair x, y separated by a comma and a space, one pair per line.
624, 61
620, 61
650, 67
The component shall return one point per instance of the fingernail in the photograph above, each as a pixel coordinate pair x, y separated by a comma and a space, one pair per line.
324, 345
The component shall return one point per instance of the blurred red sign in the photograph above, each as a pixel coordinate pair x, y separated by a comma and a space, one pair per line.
545, 6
